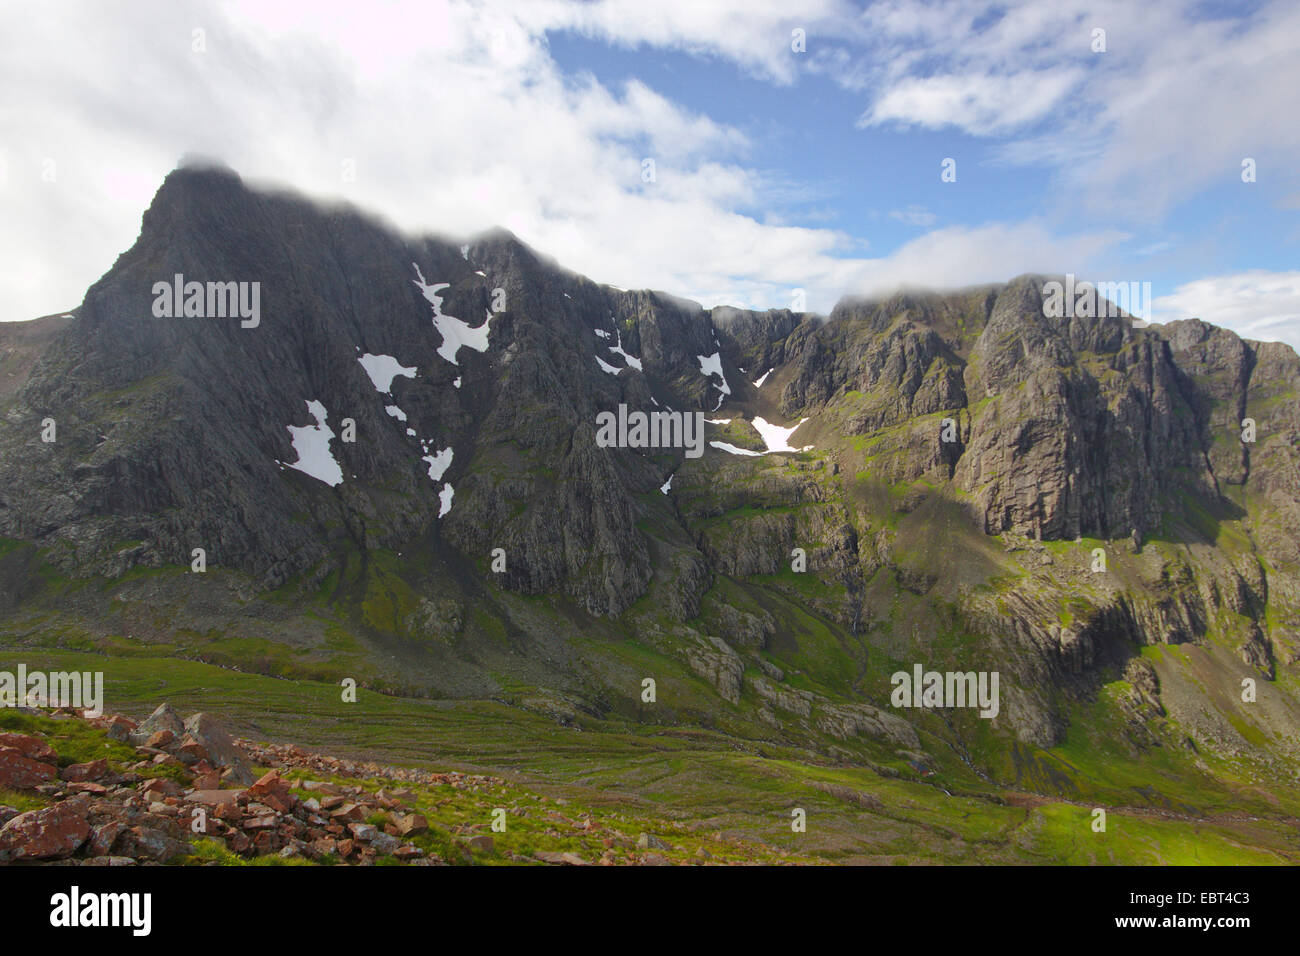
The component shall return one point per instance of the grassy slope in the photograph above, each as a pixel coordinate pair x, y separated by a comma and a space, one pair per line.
682, 783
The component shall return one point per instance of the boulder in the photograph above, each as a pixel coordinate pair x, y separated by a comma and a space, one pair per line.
18, 772
272, 791
163, 719
51, 833
94, 770
219, 749
33, 748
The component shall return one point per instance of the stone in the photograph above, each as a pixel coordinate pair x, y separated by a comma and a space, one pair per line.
412, 824
51, 833
34, 748
163, 718
19, 772
272, 790
161, 739
150, 843
648, 841
97, 770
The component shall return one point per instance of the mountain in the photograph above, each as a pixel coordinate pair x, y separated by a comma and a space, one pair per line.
977, 487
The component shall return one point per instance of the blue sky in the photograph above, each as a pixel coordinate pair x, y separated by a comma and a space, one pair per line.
775, 169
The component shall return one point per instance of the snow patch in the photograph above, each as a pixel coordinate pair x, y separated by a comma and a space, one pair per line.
382, 369
456, 381
733, 450
777, 438
395, 412
439, 463
464, 253
718, 421
445, 497
762, 378
667, 485
711, 365
618, 350
606, 367
312, 443
455, 332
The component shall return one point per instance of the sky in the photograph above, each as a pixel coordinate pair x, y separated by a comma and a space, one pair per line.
742, 152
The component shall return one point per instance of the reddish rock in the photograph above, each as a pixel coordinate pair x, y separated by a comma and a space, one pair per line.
89, 787
33, 748
266, 822
103, 837
348, 813
190, 751
148, 843
481, 843
18, 772
160, 740
411, 824
213, 797
345, 848
81, 772
408, 852
158, 787
51, 833
211, 780
237, 842
322, 846
272, 791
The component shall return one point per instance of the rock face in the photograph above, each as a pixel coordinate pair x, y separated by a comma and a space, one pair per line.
443, 397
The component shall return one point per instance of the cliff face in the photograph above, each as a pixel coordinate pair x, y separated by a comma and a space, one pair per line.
404, 443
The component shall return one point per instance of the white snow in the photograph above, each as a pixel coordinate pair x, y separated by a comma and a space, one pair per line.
395, 412
732, 449
480, 272
438, 463
762, 378
411, 432
667, 485
712, 365
382, 369
445, 497
312, 443
567, 296
618, 350
464, 253
777, 438
456, 382
606, 367
602, 333
455, 332
718, 421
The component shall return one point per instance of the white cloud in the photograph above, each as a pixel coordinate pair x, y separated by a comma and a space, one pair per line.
457, 119
1256, 304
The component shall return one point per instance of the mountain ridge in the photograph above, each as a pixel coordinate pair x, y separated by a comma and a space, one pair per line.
1068, 435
